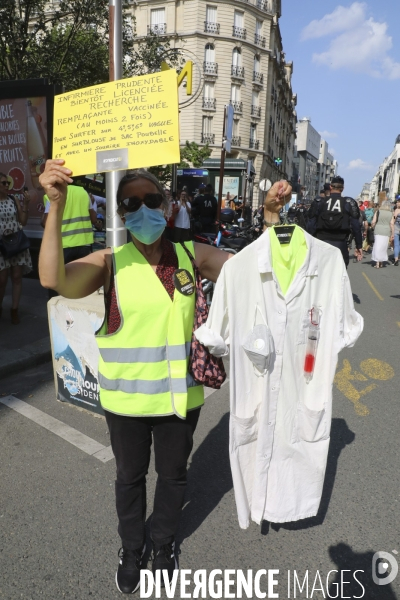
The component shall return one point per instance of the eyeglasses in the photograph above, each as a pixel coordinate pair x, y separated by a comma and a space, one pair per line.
6, 182
133, 203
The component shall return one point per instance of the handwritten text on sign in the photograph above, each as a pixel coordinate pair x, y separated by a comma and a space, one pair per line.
123, 124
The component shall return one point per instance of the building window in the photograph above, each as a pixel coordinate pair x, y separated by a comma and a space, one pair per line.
258, 77
253, 143
210, 66
157, 21
238, 25
259, 39
207, 137
235, 99
209, 102
210, 24
237, 70
255, 108
236, 139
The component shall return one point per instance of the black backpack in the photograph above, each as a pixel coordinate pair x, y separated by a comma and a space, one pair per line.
332, 214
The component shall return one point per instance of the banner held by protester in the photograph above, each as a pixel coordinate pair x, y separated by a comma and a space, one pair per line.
124, 124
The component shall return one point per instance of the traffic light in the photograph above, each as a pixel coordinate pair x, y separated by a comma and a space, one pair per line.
277, 161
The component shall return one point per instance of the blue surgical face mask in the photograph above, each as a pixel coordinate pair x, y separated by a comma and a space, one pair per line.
146, 224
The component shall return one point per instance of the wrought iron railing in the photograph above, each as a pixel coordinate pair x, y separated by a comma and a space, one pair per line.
209, 103
160, 29
210, 68
237, 71
210, 27
207, 138
238, 32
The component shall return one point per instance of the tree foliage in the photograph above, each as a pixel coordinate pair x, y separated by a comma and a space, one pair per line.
68, 43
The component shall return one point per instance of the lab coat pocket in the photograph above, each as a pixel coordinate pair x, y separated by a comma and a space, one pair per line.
310, 425
304, 325
243, 431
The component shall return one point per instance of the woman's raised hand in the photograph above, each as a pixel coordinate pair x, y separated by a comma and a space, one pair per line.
278, 196
55, 179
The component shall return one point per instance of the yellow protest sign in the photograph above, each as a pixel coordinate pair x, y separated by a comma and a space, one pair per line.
124, 124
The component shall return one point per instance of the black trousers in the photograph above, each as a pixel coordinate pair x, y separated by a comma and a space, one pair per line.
131, 439
182, 235
342, 245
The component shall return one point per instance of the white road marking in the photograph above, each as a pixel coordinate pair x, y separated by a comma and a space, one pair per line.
71, 435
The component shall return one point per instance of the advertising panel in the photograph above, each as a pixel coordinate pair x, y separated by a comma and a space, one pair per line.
23, 147
230, 184
75, 353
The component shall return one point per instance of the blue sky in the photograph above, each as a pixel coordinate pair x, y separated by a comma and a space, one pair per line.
346, 59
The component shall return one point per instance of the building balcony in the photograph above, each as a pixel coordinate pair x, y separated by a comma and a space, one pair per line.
210, 68
210, 27
259, 40
160, 29
236, 140
263, 5
258, 78
254, 144
209, 103
207, 138
237, 71
255, 111
238, 32
237, 106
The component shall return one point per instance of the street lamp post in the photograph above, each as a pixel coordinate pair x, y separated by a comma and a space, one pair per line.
115, 230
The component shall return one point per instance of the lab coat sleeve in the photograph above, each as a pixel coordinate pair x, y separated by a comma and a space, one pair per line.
215, 332
352, 323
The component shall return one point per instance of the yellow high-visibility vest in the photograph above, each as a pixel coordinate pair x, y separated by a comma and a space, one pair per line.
143, 367
76, 227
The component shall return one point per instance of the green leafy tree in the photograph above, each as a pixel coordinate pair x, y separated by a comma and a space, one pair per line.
68, 43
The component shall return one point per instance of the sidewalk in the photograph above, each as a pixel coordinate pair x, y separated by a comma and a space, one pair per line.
27, 344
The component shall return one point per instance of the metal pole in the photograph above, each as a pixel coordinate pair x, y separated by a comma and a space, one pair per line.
115, 230
174, 181
221, 170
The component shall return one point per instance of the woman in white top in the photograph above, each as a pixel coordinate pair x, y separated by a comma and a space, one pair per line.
381, 226
182, 231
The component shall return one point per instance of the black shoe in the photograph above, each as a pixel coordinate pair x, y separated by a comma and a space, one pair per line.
127, 576
164, 558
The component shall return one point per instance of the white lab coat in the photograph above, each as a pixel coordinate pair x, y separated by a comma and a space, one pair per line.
280, 425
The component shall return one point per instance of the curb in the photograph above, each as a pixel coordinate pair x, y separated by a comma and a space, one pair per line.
26, 357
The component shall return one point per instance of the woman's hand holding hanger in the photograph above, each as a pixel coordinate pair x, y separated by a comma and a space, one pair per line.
278, 196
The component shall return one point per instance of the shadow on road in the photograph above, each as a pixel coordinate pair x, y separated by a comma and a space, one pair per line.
341, 436
209, 479
356, 299
345, 559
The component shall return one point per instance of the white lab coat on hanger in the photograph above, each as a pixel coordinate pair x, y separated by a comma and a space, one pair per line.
280, 425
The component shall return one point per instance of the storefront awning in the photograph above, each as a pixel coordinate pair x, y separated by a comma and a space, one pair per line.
230, 163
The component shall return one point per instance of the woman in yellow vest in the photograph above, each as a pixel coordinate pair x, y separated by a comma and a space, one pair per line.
144, 343
145, 389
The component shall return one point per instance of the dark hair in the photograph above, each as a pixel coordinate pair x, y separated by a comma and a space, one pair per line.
322, 191
141, 174
4, 175
209, 187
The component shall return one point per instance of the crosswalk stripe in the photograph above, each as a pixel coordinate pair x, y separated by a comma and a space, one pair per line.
67, 433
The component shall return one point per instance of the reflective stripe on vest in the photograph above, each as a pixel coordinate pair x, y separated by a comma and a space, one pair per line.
145, 355
143, 367
76, 227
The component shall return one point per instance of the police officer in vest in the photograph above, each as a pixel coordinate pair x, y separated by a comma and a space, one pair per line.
333, 218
